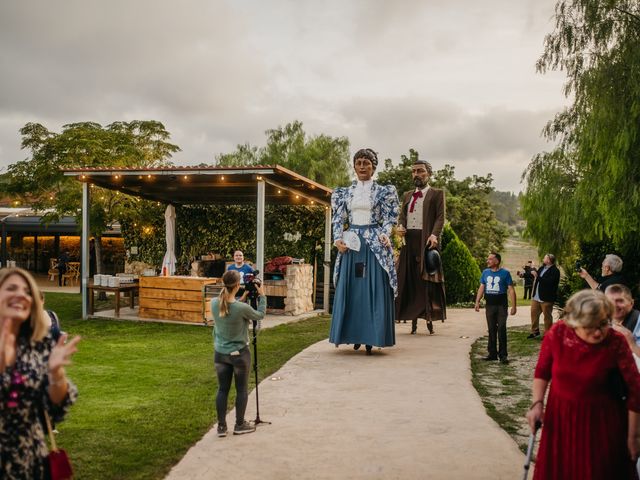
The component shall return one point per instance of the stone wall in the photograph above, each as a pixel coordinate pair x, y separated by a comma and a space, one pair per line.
299, 297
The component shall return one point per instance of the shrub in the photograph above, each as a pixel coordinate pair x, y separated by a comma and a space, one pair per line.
461, 271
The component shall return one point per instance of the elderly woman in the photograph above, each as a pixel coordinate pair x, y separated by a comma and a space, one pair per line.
364, 275
589, 430
32, 377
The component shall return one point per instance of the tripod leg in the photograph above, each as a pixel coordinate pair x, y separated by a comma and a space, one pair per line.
255, 372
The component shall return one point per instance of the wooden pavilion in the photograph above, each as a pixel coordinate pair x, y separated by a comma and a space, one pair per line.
257, 185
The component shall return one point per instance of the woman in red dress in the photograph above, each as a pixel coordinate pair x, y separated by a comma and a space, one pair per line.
589, 431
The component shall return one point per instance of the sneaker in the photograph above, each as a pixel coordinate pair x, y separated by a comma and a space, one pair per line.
244, 427
222, 430
533, 335
504, 361
489, 358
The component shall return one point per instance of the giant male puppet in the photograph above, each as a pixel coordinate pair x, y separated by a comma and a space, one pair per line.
421, 289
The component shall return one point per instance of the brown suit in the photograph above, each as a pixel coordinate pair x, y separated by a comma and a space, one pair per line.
421, 295
432, 223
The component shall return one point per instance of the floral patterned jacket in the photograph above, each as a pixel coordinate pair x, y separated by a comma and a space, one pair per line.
23, 451
384, 215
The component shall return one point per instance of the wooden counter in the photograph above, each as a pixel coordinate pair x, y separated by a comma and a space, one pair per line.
174, 298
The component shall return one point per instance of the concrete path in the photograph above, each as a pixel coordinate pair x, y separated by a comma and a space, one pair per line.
406, 412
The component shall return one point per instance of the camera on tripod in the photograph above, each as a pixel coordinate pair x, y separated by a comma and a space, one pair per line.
251, 284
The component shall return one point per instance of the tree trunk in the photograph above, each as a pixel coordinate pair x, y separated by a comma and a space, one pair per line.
98, 254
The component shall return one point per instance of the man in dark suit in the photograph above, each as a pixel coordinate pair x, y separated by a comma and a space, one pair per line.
422, 215
545, 291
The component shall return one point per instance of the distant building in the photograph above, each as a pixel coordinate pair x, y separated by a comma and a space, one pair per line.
32, 245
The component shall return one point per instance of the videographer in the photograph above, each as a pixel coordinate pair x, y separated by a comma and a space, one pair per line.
231, 342
527, 276
611, 268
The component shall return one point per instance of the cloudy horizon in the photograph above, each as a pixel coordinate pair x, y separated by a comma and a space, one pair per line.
454, 81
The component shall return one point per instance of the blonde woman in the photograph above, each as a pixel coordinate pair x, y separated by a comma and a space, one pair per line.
588, 430
232, 356
32, 376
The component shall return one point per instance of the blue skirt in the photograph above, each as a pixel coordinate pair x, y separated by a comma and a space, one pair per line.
363, 306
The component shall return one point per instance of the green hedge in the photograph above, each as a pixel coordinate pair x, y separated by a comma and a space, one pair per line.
461, 271
296, 231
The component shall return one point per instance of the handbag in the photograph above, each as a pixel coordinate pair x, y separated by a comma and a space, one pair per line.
59, 464
617, 385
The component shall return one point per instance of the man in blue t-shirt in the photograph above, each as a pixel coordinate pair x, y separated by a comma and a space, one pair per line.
240, 266
495, 285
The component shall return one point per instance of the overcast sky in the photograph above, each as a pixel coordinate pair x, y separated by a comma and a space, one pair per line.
453, 79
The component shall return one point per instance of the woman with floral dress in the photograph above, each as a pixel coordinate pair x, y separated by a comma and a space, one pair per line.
32, 377
365, 274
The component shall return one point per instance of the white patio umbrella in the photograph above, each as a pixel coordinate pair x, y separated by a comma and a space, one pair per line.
169, 261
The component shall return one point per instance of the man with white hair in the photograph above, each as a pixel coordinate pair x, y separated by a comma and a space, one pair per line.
611, 268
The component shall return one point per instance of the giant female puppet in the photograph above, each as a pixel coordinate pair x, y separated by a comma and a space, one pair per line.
365, 276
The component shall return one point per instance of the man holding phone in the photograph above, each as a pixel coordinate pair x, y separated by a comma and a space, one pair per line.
545, 291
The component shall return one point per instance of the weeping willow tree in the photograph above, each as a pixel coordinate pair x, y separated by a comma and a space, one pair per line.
587, 189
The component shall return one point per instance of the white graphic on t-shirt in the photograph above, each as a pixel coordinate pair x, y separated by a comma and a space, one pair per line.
493, 284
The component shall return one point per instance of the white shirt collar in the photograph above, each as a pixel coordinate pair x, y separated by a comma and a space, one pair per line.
366, 184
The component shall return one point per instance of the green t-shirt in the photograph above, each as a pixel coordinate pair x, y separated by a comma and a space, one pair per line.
231, 332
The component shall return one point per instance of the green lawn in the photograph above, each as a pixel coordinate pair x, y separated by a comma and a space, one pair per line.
521, 302
146, 390
505, 390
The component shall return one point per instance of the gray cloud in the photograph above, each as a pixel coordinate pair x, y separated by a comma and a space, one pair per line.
455, 80
495, 140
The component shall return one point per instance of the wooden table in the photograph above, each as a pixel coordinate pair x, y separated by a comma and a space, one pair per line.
132, 288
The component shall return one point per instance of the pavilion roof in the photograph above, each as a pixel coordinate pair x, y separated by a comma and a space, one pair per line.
208, 185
